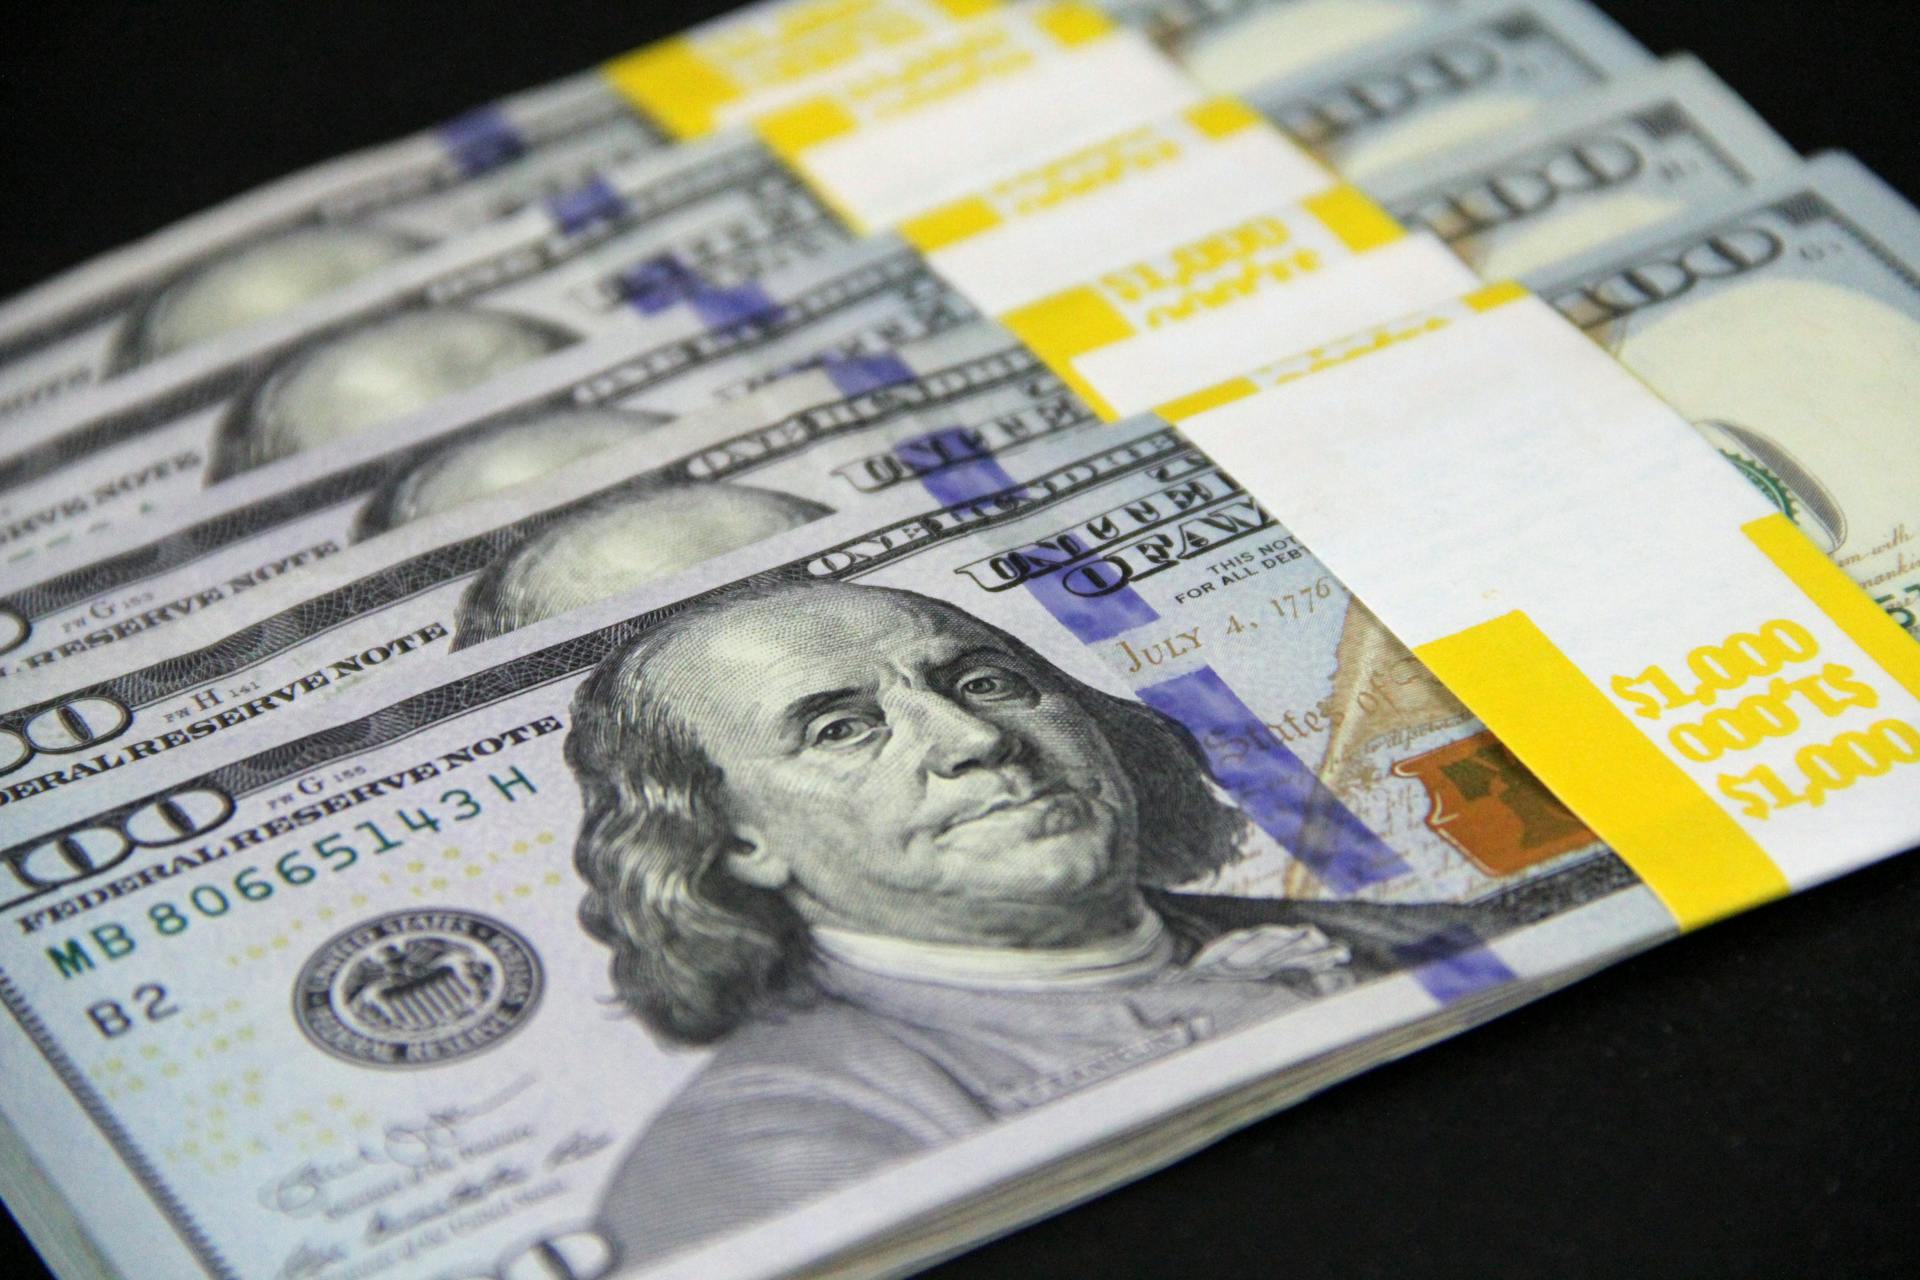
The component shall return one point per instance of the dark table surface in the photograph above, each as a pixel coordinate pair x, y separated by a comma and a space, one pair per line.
1741, 1102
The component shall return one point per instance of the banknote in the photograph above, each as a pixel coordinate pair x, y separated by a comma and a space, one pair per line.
1232, 45
286, 516
304, 236
938, 688
265, 252
809, 445
1606, 163
1471, 71
1786, 325
393, 342
1143, 331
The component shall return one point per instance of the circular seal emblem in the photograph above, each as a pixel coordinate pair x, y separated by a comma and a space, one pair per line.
417, 988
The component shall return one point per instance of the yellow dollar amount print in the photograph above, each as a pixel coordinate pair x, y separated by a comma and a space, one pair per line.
1823, 768
1772, 714
1716, 669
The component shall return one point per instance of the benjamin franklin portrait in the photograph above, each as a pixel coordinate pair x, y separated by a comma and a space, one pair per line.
349, 382
620, 540
479, 461
254, 282
907, 878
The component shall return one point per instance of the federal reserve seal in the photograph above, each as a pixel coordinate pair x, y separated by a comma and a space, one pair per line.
417, 988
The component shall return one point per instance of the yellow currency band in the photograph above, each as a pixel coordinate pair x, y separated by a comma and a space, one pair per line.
1353, 217
973, 215
1073, 23
793, 129
1839, 597
683, 89
950, 224
1062, 328
1680, 841
961, 10
1182, 408
675, 85
1072, 323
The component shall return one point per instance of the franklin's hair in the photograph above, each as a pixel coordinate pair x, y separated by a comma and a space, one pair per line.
270, 419
538, 441
551, 568
696, 951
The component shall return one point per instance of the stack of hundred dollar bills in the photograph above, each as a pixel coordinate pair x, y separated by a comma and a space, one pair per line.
815, 643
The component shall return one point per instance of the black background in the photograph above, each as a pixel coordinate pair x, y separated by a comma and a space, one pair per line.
1741, 1102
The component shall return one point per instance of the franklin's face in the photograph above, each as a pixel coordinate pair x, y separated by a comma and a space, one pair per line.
895, 767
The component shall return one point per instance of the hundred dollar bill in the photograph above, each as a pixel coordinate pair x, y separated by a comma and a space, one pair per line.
1145, 756
1607, 163
375, 350
1140, 332
265, 252
284, 517
885, 145
1232, 45
1473, 71
859, 429
1785, 324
